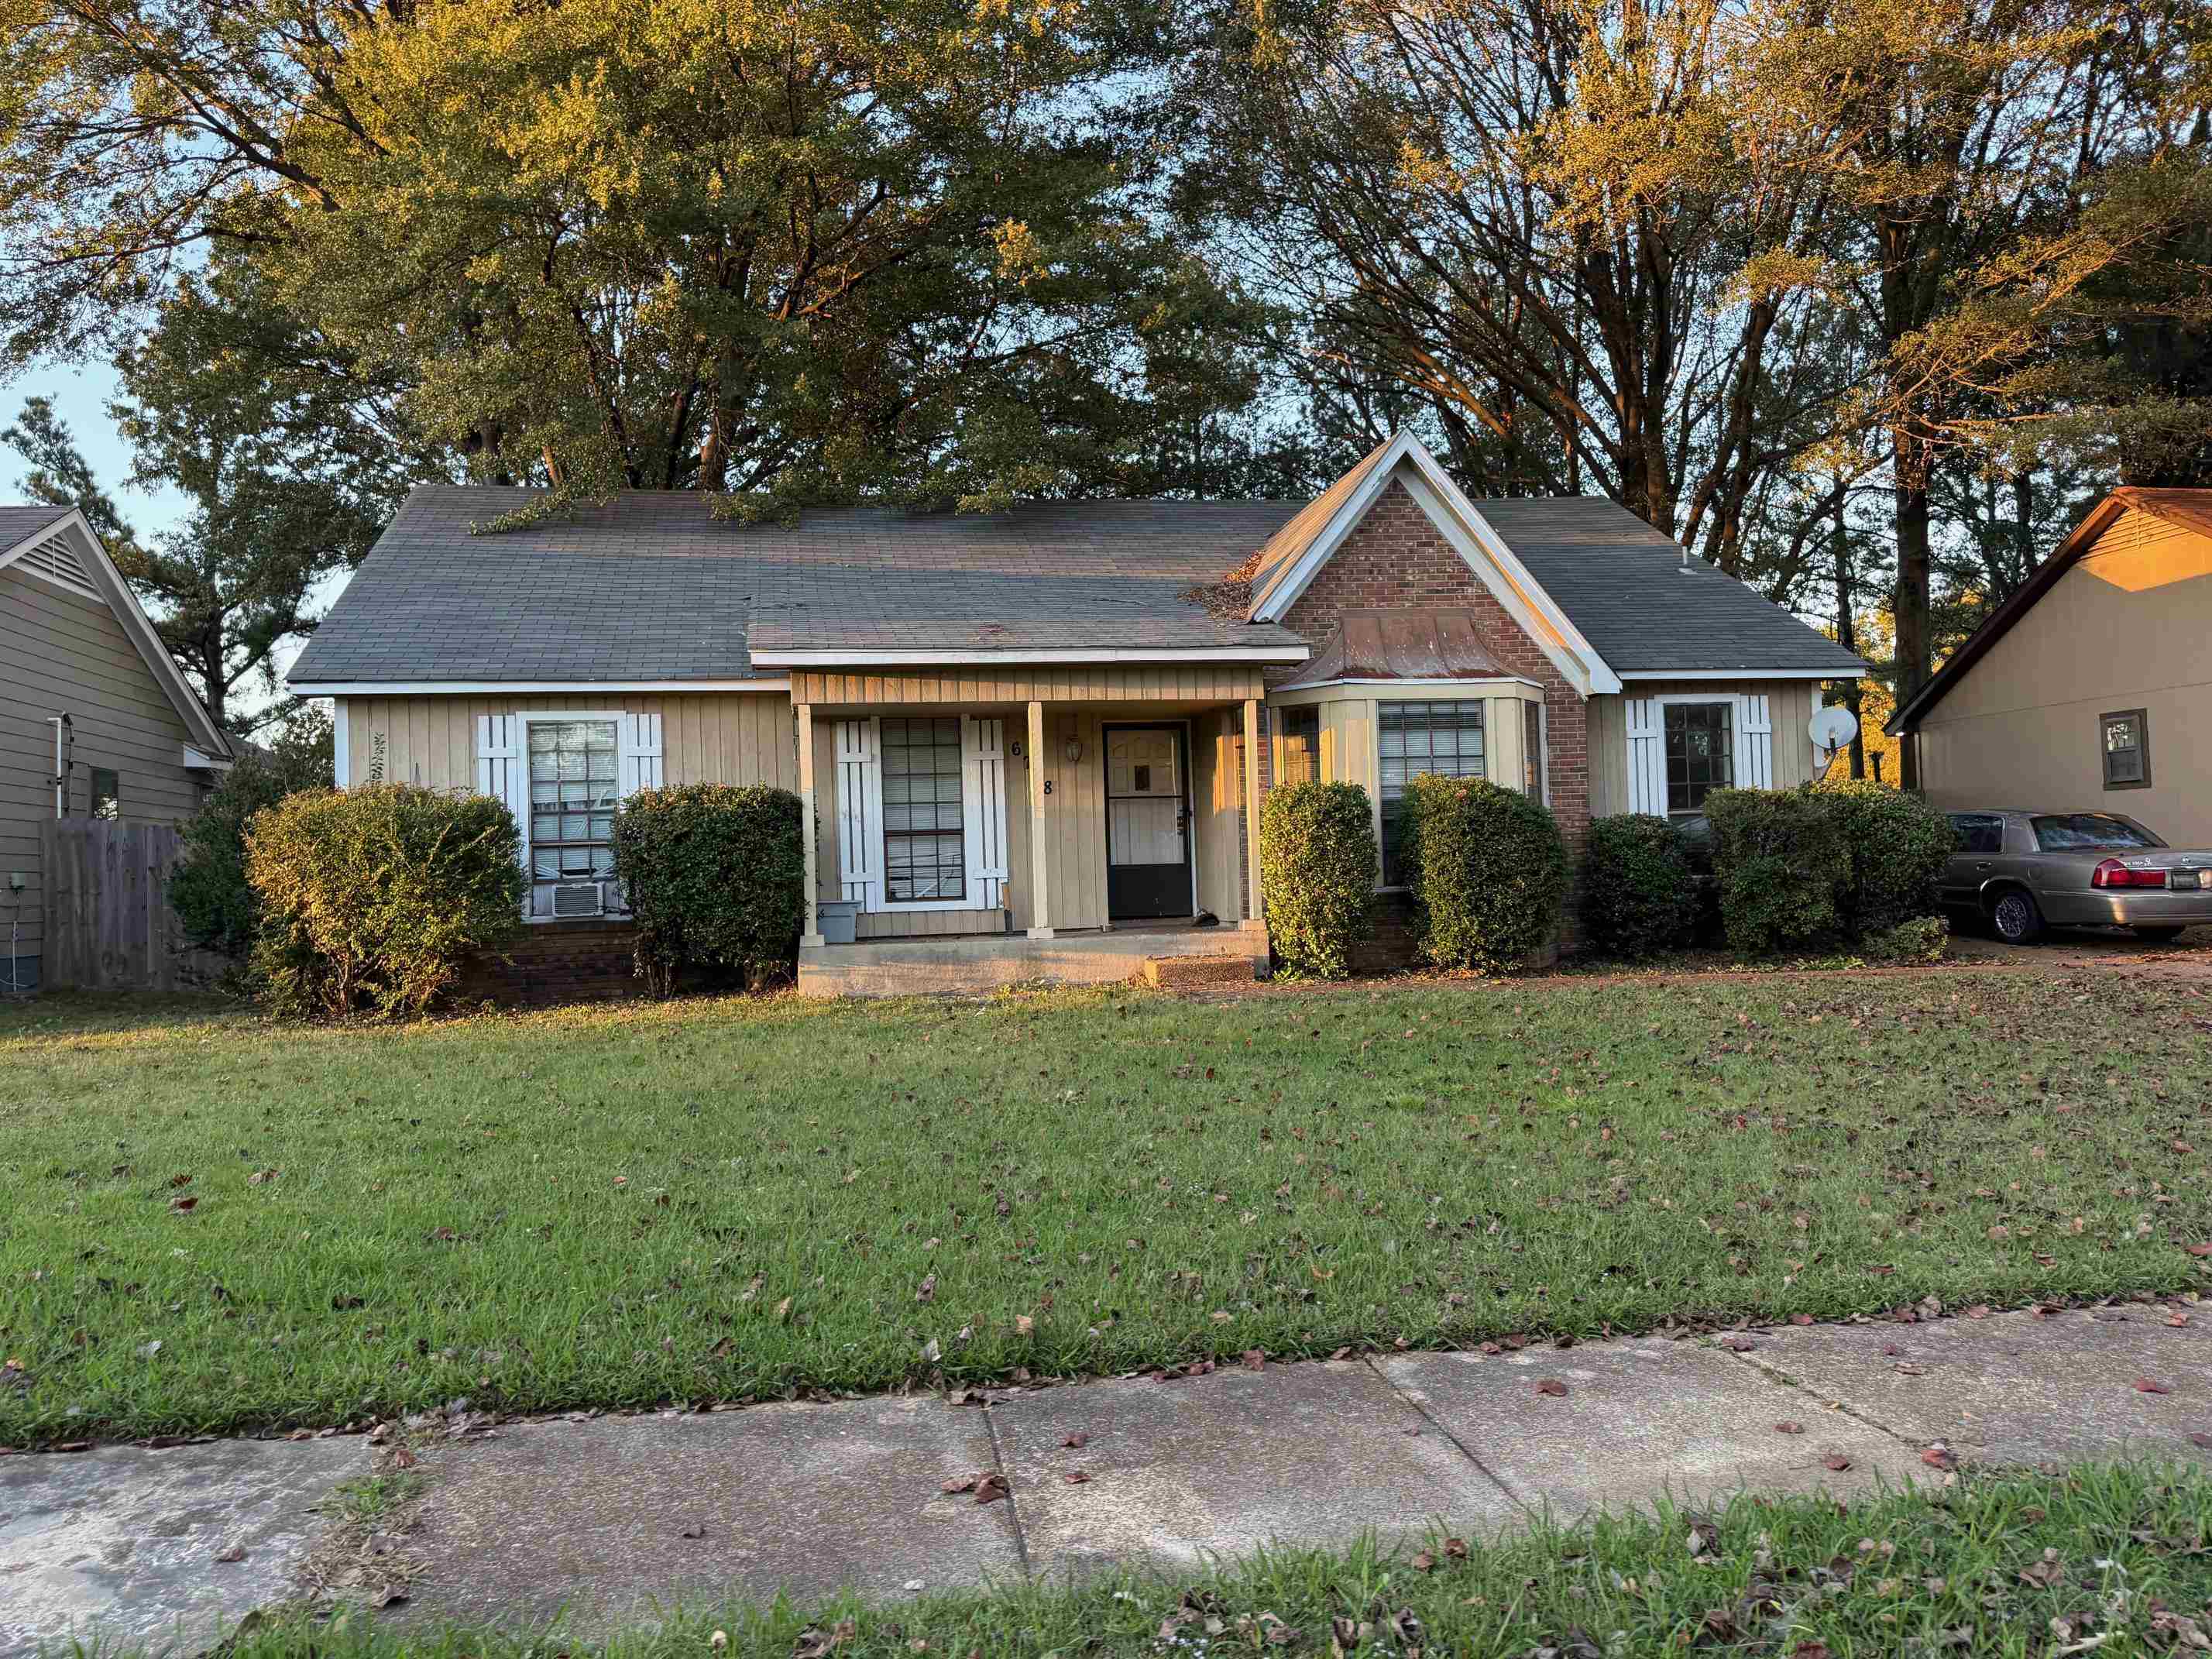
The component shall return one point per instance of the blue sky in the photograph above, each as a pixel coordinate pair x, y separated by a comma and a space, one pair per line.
81, 394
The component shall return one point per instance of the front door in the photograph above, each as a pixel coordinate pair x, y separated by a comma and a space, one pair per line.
1147, 823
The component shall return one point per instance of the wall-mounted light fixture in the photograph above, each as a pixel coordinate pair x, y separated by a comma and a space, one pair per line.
1073, 750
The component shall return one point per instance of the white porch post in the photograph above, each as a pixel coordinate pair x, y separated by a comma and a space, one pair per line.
813, 933
1252, 807
1040, 883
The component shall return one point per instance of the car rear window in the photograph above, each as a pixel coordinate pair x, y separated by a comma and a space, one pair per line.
2089, 832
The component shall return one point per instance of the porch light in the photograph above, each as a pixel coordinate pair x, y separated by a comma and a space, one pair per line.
1073, 750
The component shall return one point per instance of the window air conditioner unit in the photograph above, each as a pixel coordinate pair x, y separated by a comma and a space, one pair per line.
578, 898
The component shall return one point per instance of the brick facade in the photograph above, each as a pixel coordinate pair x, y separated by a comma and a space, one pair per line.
555, 962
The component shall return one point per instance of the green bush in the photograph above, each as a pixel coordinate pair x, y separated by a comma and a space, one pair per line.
1897, 844
716, 876
1920, 938
1638, 896
215, 904
1317, 863
1781, 861
1487, 869
373, 899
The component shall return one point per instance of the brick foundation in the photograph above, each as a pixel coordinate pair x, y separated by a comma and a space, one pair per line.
555, 962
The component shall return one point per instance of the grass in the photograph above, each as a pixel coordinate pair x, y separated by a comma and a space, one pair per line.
722, 1199
2112, 1560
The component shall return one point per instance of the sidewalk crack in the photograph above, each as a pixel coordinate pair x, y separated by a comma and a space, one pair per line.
1013, 1499
1437, 1424
1777, 1374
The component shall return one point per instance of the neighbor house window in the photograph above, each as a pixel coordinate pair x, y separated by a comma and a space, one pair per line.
106, 793
1413, 738
1301, 745
2127, 749
1700, 753
574, 784
925, 854
1532, 750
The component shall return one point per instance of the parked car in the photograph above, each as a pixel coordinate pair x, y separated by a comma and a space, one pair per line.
2019, 871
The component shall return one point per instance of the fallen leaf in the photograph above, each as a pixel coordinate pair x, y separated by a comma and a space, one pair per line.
1075, 1478
1424, 1562
182, 1205
2203, 1441
1024, 1325
1939, 1457
1254, 1360
1801, 1319
1552, 1385
235, 1553
991, 1488
2177, 1320
403, 1459
1454, 1549
959, 1483
926, 1291
2045, 1573
2200, 1249
692, 1532
2144, 1385
1738, 1344
1789, 1428
1079, 1440
1837, 1461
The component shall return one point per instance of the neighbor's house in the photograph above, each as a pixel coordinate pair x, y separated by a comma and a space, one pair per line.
1026, 740
2091, 686
81, 667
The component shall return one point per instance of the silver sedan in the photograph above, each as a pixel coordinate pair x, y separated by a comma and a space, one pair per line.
2020, 871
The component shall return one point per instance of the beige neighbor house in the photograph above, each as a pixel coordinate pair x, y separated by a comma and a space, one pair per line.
95, 722
2091, 687
1026, 741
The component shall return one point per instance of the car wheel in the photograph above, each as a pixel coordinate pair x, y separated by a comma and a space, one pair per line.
2161, 935
2014, 917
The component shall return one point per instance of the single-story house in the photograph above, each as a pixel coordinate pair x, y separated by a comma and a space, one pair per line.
1026, 740
95, 719
2090, 685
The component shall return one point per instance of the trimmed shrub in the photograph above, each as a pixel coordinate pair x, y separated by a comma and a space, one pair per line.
1897, 843
1638, 897
1317, 863
373, 899
1488, 871
716, 877
215, 904
1781, 862
1922, 938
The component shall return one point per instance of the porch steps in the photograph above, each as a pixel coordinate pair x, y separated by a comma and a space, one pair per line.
1196, 973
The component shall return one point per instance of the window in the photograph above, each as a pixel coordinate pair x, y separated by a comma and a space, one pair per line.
573, 786
106, 793
1413, 738
1532, 750
2126, 744
1301, 745
1978, 832
925, 852
2090, 832
1700, 753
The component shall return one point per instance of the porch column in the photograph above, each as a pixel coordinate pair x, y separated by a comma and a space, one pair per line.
1252, 807
813, 933
1040, 884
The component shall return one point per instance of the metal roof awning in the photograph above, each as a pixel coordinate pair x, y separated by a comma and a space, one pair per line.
1402, 645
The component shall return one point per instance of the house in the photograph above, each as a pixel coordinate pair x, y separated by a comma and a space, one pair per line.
2091, 686
1026, 740
95, 720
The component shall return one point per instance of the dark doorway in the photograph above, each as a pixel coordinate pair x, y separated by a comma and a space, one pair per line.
1148, 868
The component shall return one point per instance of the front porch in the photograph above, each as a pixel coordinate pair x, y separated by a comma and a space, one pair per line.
972, 832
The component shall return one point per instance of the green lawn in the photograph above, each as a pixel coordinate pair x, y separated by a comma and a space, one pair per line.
717, 1199
2107, 1561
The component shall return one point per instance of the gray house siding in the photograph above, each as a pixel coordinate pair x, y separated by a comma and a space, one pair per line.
60, 652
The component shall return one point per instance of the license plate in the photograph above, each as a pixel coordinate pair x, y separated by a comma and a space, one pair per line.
2186, 881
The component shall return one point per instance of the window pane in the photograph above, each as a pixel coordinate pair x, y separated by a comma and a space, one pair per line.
1301, 745
1441, 738
924, 855
1700, 745
575, 766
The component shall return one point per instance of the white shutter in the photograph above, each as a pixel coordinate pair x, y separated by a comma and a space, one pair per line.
1647, 756
860, 813
1754, 741
983, 809
503, 772
641, 753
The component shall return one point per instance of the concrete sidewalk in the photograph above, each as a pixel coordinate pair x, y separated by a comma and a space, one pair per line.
598, 1521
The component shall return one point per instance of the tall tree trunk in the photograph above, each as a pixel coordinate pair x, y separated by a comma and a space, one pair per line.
1909, 603
1847, 632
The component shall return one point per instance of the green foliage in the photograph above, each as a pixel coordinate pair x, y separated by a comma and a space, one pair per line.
1488, 871
1782, 863
716, 876
1918, 940
1317, 863
1897, 844
1638, 895
373, 899
216, 903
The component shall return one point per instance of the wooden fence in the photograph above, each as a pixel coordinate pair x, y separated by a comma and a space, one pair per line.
109, 927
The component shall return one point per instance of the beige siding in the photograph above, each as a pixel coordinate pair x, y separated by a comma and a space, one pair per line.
1790, 705
63, 654
1217, 789
2127, 628
734, 737
1212, 682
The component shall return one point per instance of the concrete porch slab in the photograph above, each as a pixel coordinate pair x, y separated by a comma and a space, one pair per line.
1310, 1453
1639, 1418
978, 964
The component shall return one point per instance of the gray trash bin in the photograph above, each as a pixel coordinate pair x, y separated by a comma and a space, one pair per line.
839, 920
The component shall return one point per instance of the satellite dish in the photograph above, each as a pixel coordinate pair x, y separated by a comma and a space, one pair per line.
1830, 729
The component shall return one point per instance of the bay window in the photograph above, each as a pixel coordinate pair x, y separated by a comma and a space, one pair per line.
1445, 738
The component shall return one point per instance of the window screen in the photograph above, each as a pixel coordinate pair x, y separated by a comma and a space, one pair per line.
2126, 749
106, 793
1700, 753
925, 854
1301, 745
1413, 738
574, 782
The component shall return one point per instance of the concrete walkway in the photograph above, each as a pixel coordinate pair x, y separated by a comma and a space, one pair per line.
598, 1521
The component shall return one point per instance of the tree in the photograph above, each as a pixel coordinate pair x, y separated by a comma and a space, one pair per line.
215, 902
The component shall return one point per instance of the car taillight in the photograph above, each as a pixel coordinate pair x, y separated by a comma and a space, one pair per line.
2113, 873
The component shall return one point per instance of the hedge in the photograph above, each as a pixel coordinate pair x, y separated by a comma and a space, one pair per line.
1638, 897
1317, 863
1781, 862
1897, 843
215, 904
716, 877
374, 898
1487, 869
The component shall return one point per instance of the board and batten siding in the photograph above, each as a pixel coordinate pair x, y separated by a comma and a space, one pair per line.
1204, 683
713, 737
1789, 705
64, 654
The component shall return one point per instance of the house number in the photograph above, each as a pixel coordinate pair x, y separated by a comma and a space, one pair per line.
1048, 785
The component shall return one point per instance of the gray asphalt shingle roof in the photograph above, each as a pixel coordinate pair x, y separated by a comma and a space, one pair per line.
19, 523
